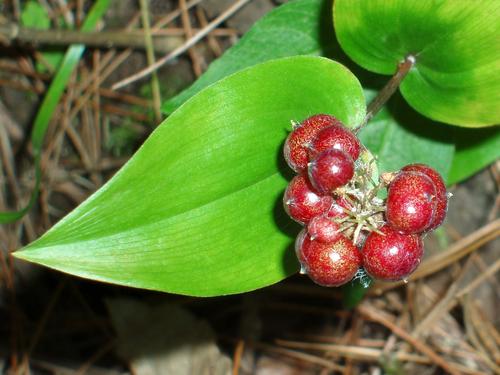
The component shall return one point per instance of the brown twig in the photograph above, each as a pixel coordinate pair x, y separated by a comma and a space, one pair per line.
28, 66
120, 111
105, 38
357, 353
484, 332
21, 86
474, 339
298, 355
351, 338
100, 76
388, 90
186, 24
124, 97
445, 303
479, 280
478, 260
114, 61
79, 13
238, 352
11, 66
188, 44
179, 31
212, 40
173, 15
423, 348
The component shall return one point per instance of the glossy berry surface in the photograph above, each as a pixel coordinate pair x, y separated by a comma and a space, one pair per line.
441, 194
337, 137
299, 140
330, 170
323, 229
299, 240
411, 202
332, 263
302, 202
392, 256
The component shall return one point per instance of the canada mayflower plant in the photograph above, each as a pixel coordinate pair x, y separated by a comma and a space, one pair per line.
349, 229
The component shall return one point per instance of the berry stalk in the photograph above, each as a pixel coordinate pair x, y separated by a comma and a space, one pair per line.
388, 90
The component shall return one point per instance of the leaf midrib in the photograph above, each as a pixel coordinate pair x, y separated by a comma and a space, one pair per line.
69, 238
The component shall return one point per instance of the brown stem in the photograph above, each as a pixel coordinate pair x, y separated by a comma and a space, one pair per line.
12, 32
372, 314
388, 90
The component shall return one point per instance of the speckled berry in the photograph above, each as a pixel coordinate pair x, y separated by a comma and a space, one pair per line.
338, 137
330, 170
299, 140
441, 194
331, 263
302, 202
411, 202
392, 256
323, 229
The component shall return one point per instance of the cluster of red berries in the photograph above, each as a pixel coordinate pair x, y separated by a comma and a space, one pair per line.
349, 229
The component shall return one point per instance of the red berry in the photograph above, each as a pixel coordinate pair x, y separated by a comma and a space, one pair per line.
411, 202
391, 256
332, 263
331, 170
338, 137
323, 229
299, 140
441, 194
298, 246
302, 202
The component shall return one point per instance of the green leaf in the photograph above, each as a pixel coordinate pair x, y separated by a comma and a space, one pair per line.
398, 136
34, 15
475, 149
311, 19
300, 27
198, 209
456, 78
50, 102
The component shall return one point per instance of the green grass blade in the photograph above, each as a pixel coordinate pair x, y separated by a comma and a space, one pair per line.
49, 104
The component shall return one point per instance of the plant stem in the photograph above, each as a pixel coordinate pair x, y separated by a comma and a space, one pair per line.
388, 90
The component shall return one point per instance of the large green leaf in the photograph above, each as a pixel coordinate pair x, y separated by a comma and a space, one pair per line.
311, 19
456, 77
475, 149
198, 209
300, 27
